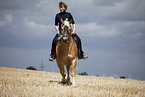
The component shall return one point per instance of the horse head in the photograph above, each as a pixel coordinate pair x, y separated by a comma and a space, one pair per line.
65, 30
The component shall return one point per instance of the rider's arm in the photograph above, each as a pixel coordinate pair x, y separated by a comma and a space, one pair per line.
56, 27
74, 28
73, 23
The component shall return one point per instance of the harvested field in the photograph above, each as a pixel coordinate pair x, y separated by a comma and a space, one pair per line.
27, 83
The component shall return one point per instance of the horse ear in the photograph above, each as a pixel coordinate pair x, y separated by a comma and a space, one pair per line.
70, 21
62, 21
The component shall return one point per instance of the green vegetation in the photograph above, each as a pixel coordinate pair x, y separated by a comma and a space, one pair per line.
84, 73
31, 68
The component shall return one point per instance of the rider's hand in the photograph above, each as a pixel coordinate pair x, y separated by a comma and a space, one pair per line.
73, 32
58, 33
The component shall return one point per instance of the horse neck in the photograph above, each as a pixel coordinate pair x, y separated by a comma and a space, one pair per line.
70, 39
68, 47
69, 44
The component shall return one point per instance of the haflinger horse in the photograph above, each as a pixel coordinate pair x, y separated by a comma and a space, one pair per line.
66, 53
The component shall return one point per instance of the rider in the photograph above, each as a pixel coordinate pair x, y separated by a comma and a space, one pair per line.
65, 15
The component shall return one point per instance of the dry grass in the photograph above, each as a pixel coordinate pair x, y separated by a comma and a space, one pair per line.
24, 83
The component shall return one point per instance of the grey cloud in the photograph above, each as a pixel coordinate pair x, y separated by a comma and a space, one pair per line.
106, 2
126, 10
6, 20
16, 4
122, 10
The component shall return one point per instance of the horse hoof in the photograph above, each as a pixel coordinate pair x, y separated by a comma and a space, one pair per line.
69, 83
63, 82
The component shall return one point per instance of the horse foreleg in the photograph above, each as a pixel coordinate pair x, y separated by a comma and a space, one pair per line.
62, 71
63, 76
73, 67
68, 75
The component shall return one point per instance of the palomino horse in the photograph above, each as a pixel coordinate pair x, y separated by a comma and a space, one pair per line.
66, 53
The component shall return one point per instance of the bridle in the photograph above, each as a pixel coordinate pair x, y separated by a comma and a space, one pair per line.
65, 30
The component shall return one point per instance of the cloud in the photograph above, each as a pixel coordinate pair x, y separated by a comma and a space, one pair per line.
16, 4
25, 28
118, 29
133, 29
106, 19
103, 10
96, 30
33, 29
106, 2
127, 10
7, 19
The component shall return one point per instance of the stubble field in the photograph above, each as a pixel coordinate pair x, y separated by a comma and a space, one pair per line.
27, 83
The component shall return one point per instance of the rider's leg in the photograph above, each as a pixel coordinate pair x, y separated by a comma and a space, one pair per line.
53, 49
79, 46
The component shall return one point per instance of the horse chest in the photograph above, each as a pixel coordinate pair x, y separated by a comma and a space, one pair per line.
65, 51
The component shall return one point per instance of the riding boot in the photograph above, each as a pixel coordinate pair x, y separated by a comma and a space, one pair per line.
79, 47
80, 52
53, 49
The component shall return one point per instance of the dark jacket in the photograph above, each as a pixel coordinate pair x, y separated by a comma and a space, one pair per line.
63, 15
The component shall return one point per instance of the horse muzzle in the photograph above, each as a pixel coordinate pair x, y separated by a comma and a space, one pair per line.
65, 39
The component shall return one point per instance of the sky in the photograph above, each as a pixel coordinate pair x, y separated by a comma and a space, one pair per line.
112, 34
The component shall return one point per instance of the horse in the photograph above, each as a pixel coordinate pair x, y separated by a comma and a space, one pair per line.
66, 53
